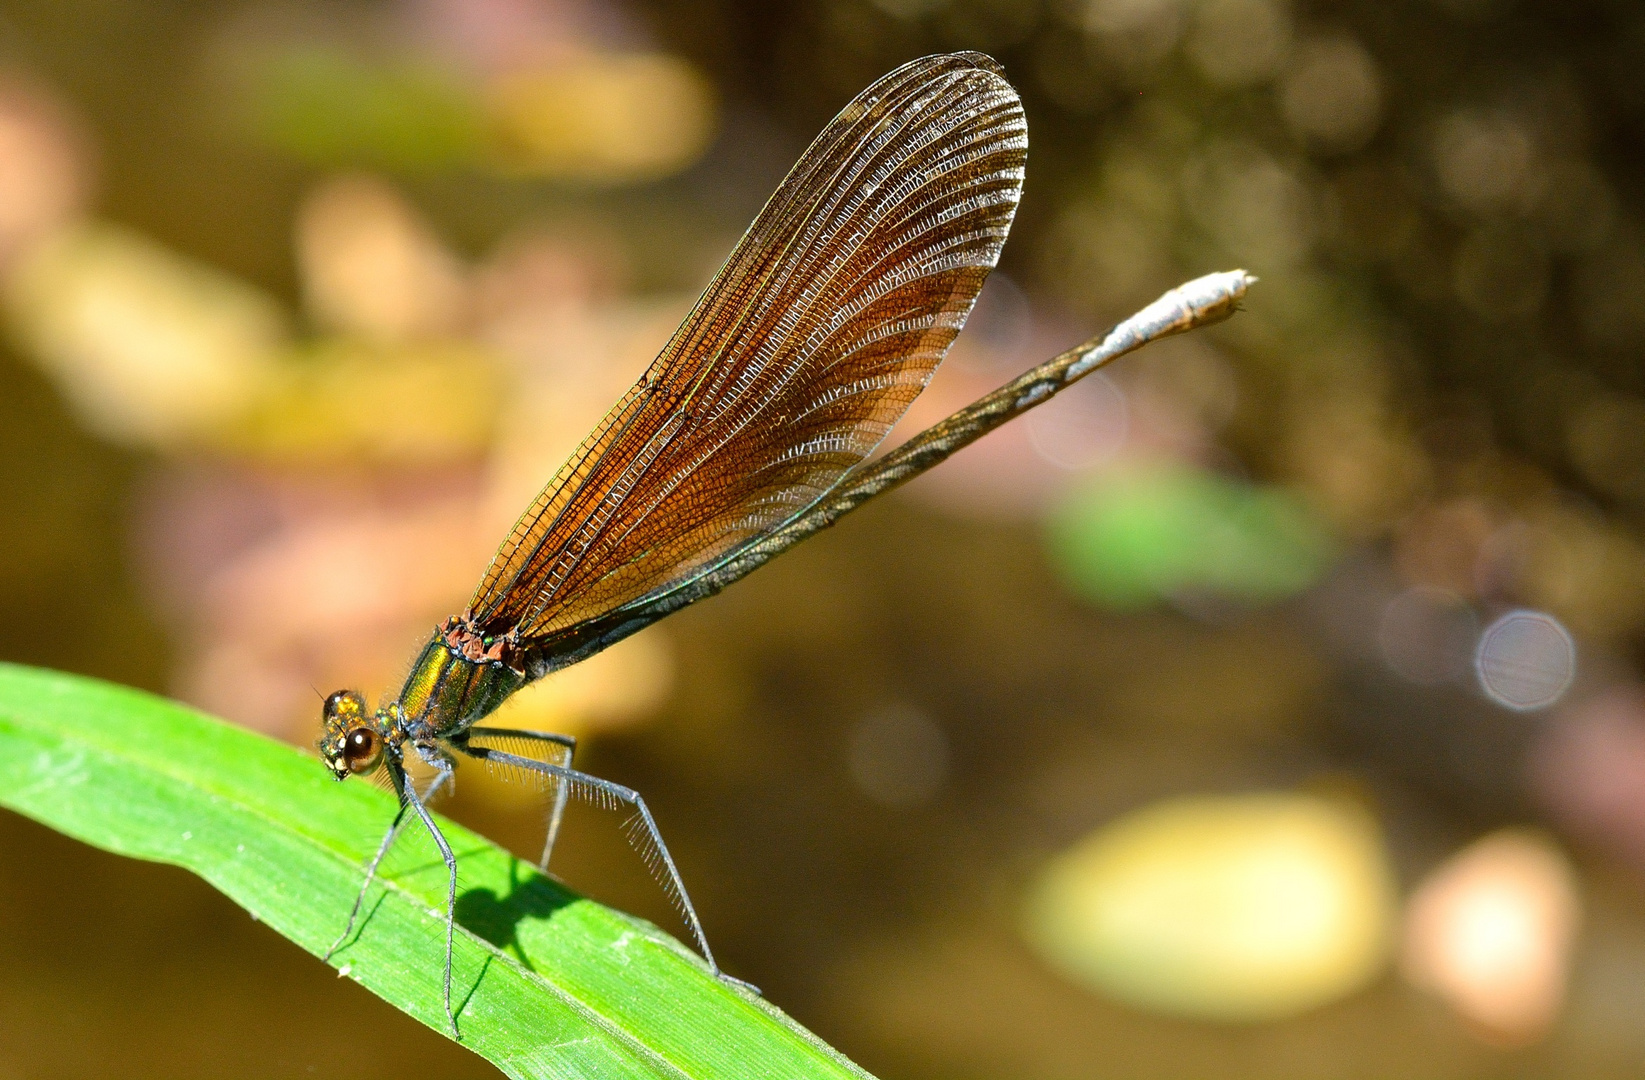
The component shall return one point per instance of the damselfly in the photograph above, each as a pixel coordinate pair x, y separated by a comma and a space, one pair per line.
747, 434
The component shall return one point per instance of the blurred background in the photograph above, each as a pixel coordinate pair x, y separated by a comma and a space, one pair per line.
1269, 705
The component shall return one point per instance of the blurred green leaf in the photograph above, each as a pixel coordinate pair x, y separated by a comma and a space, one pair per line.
326, 107
1145, 534
549, 984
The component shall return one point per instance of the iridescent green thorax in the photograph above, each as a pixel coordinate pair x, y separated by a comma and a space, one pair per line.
446, 692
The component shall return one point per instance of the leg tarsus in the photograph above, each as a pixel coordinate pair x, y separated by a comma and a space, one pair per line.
365, 886
741, 984
376, 861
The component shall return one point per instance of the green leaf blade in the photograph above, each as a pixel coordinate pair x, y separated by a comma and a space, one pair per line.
550, 984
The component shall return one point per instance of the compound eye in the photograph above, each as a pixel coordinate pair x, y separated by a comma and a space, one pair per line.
362, 749
344, 704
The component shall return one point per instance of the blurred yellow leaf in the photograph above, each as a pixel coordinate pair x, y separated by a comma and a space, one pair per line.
150, 347
1242, 908
371, 265
350, 400
605, 118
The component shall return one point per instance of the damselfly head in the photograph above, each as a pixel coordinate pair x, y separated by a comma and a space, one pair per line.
349, 742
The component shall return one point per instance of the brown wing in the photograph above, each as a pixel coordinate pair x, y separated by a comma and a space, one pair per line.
827, 320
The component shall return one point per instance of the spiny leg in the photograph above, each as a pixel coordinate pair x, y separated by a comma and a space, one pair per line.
562, 791
439, 761
377, 860
667, 873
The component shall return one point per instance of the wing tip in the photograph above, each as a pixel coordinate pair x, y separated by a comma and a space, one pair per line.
925, 67
981, 60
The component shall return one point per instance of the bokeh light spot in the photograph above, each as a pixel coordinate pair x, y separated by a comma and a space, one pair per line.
1525, 660
1239, 42
1256, 207
1426, 635
1133, 35
1483, 159
898, 756
1083, 427
1490, 933
1332, 96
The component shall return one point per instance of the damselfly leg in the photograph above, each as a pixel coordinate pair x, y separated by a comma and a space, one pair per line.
641, 829
408, 795
558, 750
377, 860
